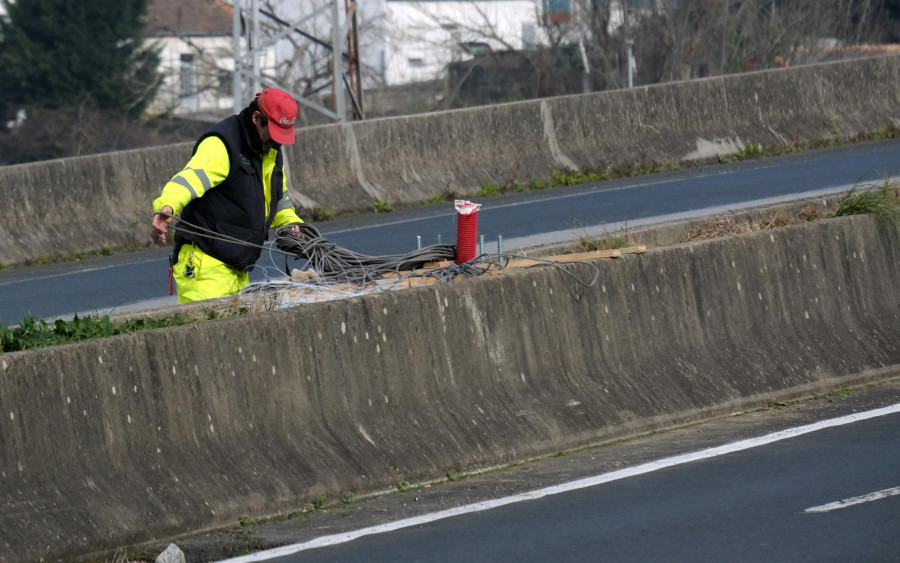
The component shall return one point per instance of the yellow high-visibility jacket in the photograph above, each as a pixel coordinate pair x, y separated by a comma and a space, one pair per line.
207, 169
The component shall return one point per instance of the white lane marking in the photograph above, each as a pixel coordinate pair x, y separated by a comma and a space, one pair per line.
877, 495
649, 467
88, 270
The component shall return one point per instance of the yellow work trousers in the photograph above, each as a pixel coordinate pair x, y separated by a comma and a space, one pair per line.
200, 276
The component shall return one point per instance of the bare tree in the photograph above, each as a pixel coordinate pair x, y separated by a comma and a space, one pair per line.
677, 40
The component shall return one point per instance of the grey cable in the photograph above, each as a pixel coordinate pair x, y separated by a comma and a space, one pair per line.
335, 263
332, 261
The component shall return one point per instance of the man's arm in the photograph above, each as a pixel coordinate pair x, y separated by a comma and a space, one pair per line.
207, 168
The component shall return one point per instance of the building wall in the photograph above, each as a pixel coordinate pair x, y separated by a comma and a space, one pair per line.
198, 76
422, 38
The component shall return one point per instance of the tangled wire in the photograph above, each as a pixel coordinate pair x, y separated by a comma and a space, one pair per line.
336, 264
333, 261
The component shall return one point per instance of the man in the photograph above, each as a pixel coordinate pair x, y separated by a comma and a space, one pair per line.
231, 192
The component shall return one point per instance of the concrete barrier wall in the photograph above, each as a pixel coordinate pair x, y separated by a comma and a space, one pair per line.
76, 205
144, 436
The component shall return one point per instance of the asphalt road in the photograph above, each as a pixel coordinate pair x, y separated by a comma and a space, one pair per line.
772, 493
747, 506
136, 280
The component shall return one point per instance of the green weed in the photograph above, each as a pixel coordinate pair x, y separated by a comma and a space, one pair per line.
381, 206
773, 404
832, 393
453, 475
488, 189
32, 334
320, 214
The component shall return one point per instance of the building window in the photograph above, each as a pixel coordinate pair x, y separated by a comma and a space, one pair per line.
416, 63
529, 36
188, 75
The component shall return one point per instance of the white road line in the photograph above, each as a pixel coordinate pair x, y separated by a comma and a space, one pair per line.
649, 467
855, 500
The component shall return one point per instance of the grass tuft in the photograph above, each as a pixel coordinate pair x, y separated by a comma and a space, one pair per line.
881, 201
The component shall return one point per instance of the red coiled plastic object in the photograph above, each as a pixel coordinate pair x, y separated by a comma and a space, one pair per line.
466, 233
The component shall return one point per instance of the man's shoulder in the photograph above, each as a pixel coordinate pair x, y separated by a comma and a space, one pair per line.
227, 125
212, 142
221, 135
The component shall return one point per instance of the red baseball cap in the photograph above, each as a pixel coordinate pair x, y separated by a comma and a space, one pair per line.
281, 110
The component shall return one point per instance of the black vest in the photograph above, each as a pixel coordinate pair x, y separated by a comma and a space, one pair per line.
235, 208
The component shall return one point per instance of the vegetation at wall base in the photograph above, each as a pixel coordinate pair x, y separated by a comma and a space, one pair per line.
32, 334
320, 214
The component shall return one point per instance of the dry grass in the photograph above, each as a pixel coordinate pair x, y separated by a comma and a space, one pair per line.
882, 200
588, 244
714, 229
811, 213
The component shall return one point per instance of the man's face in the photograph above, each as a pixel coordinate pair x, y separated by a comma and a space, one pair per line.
261, 122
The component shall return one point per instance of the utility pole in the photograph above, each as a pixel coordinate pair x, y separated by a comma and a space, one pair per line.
337, 67
630, 48
629, 42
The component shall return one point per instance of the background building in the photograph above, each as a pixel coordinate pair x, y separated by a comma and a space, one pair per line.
196, 42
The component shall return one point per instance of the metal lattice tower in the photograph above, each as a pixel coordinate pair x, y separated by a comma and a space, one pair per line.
249, 44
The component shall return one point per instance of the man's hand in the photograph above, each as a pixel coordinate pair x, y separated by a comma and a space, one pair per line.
161, 222
295, 230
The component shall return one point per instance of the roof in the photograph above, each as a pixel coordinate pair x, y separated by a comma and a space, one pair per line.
189, 18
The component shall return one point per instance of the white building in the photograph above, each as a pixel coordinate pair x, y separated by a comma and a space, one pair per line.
419, 38
400, 42
196, 42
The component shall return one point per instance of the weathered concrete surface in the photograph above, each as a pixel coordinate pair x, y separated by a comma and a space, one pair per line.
76, 205
144, 436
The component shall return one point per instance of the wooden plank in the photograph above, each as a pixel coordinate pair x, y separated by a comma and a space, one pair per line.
579, 256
